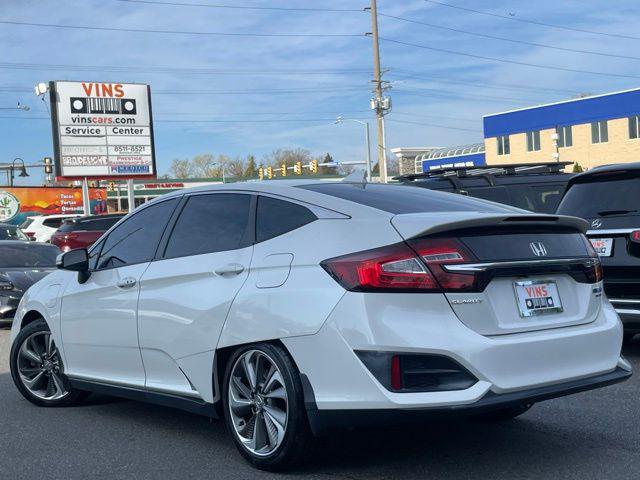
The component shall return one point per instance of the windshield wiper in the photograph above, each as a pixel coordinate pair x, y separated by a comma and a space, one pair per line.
606, 213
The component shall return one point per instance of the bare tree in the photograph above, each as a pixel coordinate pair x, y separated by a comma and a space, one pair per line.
180, 168
204, 166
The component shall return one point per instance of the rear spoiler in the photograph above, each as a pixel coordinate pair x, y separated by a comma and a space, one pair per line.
420, 224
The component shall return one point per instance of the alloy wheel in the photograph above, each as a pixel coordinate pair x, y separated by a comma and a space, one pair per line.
257, 400
40, 368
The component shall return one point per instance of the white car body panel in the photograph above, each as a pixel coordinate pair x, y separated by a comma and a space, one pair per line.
162, 335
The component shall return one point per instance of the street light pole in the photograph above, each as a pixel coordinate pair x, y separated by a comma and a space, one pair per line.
340, 120
23, 170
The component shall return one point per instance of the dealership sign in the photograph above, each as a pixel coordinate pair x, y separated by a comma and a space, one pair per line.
102, 130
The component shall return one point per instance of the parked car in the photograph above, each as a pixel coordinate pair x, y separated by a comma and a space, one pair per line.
22, 263
608, 198
11, 232
82, 232
41, 227
288, 307
537, 187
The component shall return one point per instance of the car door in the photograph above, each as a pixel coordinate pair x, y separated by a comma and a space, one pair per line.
98, 317
186, 293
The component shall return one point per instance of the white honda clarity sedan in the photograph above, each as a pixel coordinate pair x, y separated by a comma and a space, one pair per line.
291, 307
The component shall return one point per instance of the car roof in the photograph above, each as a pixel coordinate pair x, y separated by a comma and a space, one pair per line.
605, 172
25, 243
95, 217
55, 215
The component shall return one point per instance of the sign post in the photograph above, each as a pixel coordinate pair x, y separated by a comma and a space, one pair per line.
102, 130
86, 202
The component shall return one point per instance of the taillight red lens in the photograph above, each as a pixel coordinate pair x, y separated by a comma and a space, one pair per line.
439, 252
396, 373
394, 268
635, 236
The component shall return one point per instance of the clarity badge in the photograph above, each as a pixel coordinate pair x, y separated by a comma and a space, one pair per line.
9, 206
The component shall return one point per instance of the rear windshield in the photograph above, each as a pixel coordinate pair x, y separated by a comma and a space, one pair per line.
400, 199
28, 255
89, 224
617, 196
26, 223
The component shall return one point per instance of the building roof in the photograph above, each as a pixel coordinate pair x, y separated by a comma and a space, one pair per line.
574, 111
452, 151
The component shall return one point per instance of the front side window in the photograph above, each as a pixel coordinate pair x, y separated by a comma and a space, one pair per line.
277, 217
565, 136
136, 239
211, 223
503, 145
634, 127
599, 132
533, 141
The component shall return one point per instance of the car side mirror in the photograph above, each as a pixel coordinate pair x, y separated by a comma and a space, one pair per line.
76, 261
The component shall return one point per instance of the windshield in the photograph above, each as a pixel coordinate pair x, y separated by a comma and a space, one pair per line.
11, 232
602, 199
400, 199
27, 255
27, 223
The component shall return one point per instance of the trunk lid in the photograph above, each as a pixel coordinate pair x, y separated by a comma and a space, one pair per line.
537, 261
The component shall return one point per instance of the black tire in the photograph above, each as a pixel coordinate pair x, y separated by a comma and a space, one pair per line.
504, 414
72, 396
628, 337
297, 437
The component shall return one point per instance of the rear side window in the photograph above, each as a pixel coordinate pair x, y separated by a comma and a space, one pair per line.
610, 196
277, 217
52, 222
136, 239
26, 223
211, 223
400, 199
495, 194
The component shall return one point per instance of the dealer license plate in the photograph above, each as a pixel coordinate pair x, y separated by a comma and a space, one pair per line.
602, 246
537, 297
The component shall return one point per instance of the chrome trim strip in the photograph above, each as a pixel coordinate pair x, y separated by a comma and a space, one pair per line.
625, 301
612, 231
627, 311
482, 267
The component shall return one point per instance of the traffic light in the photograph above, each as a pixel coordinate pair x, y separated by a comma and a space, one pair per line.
297, 168
269, 173
283, 167
48, 165
313, 166
261, 173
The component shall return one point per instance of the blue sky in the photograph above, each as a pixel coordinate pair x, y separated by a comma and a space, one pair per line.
232, 94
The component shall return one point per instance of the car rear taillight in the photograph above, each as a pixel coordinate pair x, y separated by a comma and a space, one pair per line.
635, 236
439, 252
593, 273
415, 266
394, 268
29, 234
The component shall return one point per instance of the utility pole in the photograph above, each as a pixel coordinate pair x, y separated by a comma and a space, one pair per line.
377, 102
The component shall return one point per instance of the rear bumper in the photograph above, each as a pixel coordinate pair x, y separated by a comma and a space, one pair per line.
322, 420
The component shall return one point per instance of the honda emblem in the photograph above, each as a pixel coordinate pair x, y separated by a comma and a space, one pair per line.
597, 223
538, 249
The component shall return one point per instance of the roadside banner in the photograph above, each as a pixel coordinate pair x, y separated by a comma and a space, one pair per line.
102, 130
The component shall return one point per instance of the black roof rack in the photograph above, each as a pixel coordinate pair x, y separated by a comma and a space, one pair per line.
489, 170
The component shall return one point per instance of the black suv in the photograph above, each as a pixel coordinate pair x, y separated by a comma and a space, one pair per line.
534, 186
608, 198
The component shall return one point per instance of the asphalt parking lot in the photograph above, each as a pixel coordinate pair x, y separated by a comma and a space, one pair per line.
589, 435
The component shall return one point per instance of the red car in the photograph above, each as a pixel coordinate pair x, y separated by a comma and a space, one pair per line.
82, 232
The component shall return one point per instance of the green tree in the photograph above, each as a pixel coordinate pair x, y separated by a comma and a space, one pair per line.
252, 170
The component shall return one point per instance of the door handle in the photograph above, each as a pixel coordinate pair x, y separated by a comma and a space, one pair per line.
230, 269
125, 283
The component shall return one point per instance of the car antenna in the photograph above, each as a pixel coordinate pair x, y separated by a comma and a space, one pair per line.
357, 176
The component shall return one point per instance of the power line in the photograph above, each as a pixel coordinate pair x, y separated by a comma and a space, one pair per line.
440, 93
175, 70
435, 126
231, 92
533, 22
512, 40
501, 86
242, 7
180, 32
279, 120
504, 60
